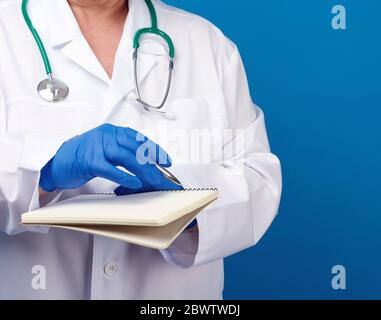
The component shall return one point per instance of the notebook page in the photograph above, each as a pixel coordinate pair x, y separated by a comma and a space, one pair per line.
146, 209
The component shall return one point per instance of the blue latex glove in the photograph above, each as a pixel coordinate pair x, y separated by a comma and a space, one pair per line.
97, 153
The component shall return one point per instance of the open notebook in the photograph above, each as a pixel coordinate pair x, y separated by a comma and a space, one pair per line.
152, 219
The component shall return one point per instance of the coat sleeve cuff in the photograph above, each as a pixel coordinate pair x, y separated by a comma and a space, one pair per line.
192, 246
21, 172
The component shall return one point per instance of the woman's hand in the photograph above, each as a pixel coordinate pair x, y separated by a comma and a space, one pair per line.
41, 192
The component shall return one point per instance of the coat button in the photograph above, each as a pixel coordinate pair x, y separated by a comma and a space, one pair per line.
110, 269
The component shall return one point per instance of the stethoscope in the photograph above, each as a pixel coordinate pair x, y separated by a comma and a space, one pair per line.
55, 90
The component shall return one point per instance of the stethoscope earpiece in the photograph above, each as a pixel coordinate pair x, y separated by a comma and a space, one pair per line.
170, 116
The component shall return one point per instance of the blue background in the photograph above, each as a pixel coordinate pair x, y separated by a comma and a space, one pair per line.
320, 90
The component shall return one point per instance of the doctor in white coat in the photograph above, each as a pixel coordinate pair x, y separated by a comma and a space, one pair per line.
89, 44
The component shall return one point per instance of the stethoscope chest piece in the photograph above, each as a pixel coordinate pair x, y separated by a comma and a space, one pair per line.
53, 90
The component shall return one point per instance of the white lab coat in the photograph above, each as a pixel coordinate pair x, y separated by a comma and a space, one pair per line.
209, 91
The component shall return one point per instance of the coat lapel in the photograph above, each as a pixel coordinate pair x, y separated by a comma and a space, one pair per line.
80, 53
122, 82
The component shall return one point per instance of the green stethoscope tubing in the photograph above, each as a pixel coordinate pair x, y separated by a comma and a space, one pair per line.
153, 29
36, 36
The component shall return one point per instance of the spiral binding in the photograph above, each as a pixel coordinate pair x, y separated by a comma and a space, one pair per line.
186, 189
191, 189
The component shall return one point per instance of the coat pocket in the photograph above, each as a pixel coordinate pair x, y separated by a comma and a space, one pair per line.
196, 113
196, 133
29, 115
